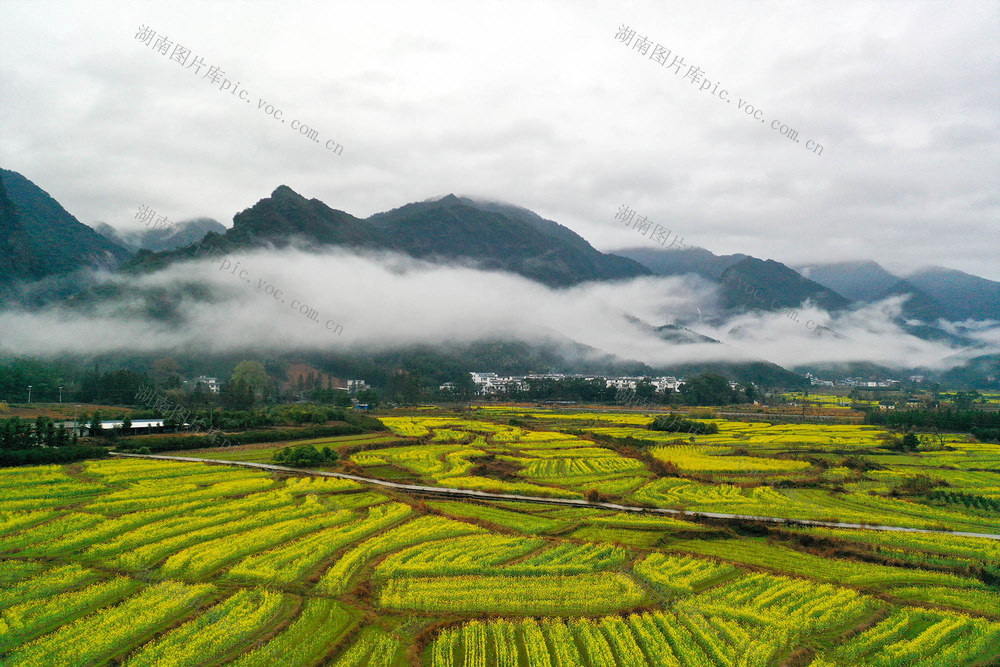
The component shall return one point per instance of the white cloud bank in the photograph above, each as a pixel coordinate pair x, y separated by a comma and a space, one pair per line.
384, 301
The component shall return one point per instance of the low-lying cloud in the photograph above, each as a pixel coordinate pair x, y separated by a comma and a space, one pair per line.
286, 301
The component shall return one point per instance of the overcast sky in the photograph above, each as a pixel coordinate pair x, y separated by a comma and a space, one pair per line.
533, 103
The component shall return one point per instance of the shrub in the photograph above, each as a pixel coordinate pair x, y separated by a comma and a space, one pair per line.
674, 424
305, 455
162, 443
914, 485
42, 455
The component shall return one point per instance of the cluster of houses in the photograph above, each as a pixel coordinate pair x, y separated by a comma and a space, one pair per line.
859, 383
209, 384
492, 384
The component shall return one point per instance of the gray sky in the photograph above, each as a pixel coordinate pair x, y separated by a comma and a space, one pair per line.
535, 104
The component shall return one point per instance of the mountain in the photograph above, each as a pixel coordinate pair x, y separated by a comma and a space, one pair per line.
979, 372
747, 283
500, 237
17, 260
47, 239
610, 266
156, 239
679, 262
858, 281
936, 291
111, 234
445, 229
960, 296
678, 334
918, 304
753, 284
284, 218
287, 215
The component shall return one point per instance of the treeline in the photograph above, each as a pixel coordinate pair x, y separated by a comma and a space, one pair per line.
163, 443
79, 385
986, 434
987, 423
71, 382
296, 415
27, 442
46, 455
17, 433
970, 500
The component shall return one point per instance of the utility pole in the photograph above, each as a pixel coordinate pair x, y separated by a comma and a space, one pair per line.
29, 393
60, 393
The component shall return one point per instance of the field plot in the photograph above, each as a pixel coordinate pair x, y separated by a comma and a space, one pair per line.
545, 460
921, 637
581, 594
150, 562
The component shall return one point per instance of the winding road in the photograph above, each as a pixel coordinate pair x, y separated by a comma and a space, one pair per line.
486, 495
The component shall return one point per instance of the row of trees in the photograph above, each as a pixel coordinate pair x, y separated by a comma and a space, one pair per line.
947, 419
77, 384
17, 433
252, 384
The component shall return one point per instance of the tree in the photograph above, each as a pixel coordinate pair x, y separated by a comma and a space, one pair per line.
645, 392
406, 386
305, 455
166, 373
674, 424
253, 376
127, 424
465, 388
95, 424
910, 442
368, 396
963, 401
707, 389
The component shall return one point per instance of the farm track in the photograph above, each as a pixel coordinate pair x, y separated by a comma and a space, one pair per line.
485, 495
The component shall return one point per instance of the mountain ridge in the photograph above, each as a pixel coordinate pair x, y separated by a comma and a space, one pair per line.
49, 239
448, 228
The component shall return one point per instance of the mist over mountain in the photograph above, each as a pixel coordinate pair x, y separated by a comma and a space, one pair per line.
936, 292
682, 261
748, 283
858, 281
918, 305
426, 279
960, 295
770, 285
157, 239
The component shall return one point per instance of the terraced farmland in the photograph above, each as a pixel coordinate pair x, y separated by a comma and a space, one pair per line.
149, 562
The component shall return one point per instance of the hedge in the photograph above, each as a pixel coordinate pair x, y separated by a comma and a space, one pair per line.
163, 443
44, 455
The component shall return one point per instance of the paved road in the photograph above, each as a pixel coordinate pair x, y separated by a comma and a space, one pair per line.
485, 495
